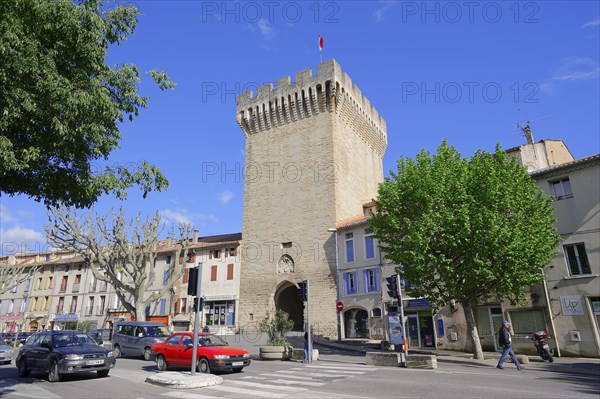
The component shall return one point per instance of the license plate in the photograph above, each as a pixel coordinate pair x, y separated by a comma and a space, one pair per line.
237, 363
545, 347
94, 362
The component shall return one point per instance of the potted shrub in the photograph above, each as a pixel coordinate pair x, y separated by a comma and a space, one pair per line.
276, 326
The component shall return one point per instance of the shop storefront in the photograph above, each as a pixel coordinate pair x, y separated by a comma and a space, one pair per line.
419, 323
219, 310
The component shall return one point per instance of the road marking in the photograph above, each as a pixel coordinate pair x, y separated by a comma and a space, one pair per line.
267, 386
309, 383
188, 395
312, 374
277, 374
262, 394
349, 373
335, 366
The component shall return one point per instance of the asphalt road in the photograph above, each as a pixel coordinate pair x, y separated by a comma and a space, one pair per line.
335, 376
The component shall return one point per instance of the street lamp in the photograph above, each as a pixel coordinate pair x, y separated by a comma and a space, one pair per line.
337, 283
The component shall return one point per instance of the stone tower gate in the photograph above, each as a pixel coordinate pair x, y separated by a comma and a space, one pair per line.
314, 150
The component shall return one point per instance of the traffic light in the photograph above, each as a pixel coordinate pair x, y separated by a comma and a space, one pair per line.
392, 285
192, 281
195, 304
302, 292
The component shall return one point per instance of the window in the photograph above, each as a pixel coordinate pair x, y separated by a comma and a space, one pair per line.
174, 340
46, 303
11, 306
163, 306
213, 273
50, 285
561, 189
577, 259
165, 277
527, 321
350, 286
14, 286
232, 251
73, 307
0, 306
91, 306
61, 304
168, 259
215, 253
27, 284
39, 284
101, 306
369, 245
63, 284
24, 304
349, 247
371, 279
230, 271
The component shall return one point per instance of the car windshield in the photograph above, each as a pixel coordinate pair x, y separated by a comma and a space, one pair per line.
2, 342
211, 340
157, 331
71, 339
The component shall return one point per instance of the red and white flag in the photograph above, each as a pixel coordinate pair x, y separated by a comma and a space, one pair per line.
320, 42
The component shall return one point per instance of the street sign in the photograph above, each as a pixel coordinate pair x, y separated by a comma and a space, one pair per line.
340, 306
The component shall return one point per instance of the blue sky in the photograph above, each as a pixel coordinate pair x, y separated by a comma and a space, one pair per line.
433, 70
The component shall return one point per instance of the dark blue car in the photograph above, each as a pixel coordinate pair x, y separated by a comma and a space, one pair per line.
63, 352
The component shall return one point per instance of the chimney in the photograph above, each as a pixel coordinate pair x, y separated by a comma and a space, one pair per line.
195, 240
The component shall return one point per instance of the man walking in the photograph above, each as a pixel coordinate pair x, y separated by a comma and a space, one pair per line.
505, 342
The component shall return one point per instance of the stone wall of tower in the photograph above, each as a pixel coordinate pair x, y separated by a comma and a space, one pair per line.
314, 153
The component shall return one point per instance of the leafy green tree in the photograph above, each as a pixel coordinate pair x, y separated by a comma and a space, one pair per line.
468, 230
61, 105
277, 326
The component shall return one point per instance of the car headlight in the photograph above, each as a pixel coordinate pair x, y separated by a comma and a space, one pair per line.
246, 355
221, 356
73, 356
110, 354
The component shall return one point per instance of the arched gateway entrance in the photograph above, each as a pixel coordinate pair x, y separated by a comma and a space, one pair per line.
286, 299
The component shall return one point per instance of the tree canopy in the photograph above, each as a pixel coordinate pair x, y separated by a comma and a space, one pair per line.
462, 229
61, 105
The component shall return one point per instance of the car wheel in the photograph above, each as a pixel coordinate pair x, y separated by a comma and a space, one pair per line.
53, 375
203, 366
102, 373
117, 351
147, 353
22, 369
161, 363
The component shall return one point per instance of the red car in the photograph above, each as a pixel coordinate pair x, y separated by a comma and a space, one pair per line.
213, 353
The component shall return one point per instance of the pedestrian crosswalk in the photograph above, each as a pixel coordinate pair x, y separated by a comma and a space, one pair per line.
301, 380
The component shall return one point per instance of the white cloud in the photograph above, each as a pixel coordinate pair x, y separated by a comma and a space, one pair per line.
22, 239
572, 69
379, 14
265, 29
176, 217
5, 215
183, 216
590, 24
225, 197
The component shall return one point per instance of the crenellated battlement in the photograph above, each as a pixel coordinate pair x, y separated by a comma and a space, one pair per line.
329, 91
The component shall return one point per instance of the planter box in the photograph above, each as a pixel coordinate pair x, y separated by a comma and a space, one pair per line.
299, 354
275, 352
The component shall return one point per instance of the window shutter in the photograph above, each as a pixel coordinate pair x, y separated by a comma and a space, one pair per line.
346, 283
213, 273
210, 254
366, 280
186, 275
376, 278
235, 251
230, 271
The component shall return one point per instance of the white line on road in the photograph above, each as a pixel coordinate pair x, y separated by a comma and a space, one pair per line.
264, 386
311, 374
188, 395
287, 375
309, 383
262, 394
328, 370
335, 366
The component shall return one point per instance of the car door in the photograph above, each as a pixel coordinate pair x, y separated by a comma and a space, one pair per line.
172, 351
29, 352
186, 349
42, 350
127, 331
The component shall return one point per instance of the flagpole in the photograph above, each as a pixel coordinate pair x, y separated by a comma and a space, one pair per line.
321, 48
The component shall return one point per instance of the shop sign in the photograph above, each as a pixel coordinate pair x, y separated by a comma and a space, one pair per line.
596, 306
418, 302
571, 305
219, 297
66, 317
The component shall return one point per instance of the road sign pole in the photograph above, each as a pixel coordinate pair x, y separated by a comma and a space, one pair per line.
197, 316
402, 321
310, 350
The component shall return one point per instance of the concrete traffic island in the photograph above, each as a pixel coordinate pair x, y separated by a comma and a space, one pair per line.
184, 380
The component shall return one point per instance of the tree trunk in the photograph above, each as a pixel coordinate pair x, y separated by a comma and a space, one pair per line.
140, 313
472, 331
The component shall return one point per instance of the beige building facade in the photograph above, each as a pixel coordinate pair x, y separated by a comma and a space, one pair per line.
314, 150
